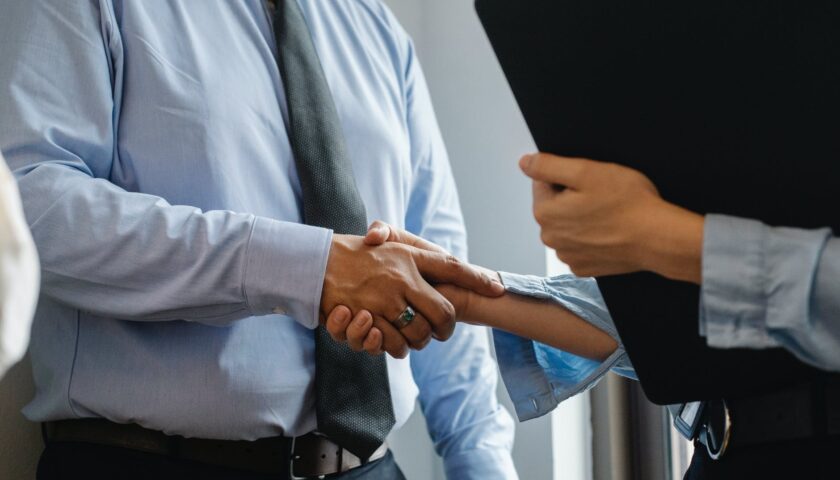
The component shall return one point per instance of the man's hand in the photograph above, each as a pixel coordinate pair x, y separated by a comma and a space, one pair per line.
379, 282
607, 219
360, 333
381, 232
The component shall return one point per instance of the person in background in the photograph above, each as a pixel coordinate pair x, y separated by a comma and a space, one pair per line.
198, 177
19, 274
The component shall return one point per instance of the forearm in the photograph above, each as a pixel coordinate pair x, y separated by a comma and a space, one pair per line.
672, 244
541, 320
133, 256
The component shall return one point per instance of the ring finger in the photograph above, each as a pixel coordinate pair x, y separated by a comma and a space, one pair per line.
417, 331
393, 341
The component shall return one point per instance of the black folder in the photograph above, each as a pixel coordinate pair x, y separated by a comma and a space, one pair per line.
730, 107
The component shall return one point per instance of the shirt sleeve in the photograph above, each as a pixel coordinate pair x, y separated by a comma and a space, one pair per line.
457, 378
766, 287
537, 376
107, 250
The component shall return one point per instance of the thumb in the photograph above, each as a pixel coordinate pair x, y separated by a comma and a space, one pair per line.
377, 234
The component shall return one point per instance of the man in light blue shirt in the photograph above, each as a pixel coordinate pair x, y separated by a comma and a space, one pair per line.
180, 289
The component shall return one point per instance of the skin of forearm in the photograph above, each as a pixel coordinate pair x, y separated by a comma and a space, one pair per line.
673, 246
540, 320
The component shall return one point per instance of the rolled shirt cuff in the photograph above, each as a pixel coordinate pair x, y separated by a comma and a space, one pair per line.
285, 269
756, 279
539, 377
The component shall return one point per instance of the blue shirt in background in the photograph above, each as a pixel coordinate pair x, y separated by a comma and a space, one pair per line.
179, 286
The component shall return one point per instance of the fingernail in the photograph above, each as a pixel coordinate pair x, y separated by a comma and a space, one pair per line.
526, 161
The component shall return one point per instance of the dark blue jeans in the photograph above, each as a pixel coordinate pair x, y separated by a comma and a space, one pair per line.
72, 461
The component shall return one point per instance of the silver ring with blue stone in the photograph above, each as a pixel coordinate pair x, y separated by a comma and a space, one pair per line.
406, 317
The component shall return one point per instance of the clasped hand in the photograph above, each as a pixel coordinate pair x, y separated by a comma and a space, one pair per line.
371, 280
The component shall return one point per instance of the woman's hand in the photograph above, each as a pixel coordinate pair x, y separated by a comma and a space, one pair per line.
607, 219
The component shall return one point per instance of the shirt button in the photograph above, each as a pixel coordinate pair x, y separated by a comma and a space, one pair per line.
279, 310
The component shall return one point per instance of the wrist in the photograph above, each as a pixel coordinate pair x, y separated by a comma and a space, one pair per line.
672, 243
341, 248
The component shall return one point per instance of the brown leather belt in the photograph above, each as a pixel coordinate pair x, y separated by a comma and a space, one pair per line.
311, 455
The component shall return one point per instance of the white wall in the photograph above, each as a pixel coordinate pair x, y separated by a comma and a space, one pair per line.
485, 135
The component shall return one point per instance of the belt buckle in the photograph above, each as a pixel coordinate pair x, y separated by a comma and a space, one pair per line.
292, 458
715, 446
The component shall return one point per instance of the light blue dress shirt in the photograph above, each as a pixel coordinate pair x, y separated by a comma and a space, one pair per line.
762, 287
179, 287
769, 287
538, 376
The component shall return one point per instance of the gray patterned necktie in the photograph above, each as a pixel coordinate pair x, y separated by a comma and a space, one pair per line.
353, 401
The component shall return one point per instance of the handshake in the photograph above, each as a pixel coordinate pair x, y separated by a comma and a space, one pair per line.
392, 291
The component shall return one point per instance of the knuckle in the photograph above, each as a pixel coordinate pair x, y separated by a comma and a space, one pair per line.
579, 268
424, 330
537, 210
397, 348
546, 237
393, 314
447, 312
453, 262
542, 212
581, 272
446, 334
586, 171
